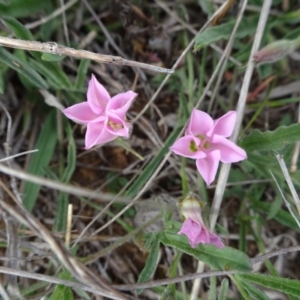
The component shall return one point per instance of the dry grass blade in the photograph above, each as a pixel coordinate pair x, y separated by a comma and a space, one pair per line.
52, 15
67, 188
289, 182
201, 275
222, 180
54, 48
50, 279
74, 266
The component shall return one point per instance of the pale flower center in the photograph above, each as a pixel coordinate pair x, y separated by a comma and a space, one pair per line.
204, 144
114, 125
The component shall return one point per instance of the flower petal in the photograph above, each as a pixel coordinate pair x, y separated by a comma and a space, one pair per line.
215, 240
120, 103
208, 166
230, 152
183, 147
191, 230
224, 125
200, 123
80, 113
97, 96
97, 134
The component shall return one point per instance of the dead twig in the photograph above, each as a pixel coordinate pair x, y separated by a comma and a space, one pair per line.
54, 48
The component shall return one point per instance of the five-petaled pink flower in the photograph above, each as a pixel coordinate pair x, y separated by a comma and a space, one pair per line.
206, 141
193, 226
104, 116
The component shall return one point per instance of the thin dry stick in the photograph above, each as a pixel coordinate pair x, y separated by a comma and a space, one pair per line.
74, 266
289, 181
200, 267
67, 188
287, 204
66, 31
11, 226
50, 279
17, 155
54, 48
178, 279
192, 30
154, 283
296, 150
53, 15
222, 180
69, 225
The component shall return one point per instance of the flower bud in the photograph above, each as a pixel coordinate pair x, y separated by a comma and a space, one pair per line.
276, 51
193, 226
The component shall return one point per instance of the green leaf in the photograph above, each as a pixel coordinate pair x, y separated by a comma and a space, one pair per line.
282, 216
275, 207
82, 70
62, 292
223, 32
17, 28
253, 291
151, 263
288, 286
223, 289
23, 68
52, 57
45, 144
212, 295
225, 259
271, 140
21, 8
63, 198
53, 72
152, 166
1, 82
71, 159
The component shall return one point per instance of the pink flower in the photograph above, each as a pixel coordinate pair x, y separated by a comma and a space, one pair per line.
104, 116
193, 226
205, 140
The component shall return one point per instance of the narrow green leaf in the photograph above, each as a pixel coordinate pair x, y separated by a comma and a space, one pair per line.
1, 82
53, 72
152, 166
62, 292
17, 28
71, 159
275, 207
212, 288
225, 259
223, 32
223, 289
271, 140
282, 216
23, 68
23, 56
60, 221
170, 290
21, 8
45, 144
151, 263
288, 286
52, 57
82, 70
253, 291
